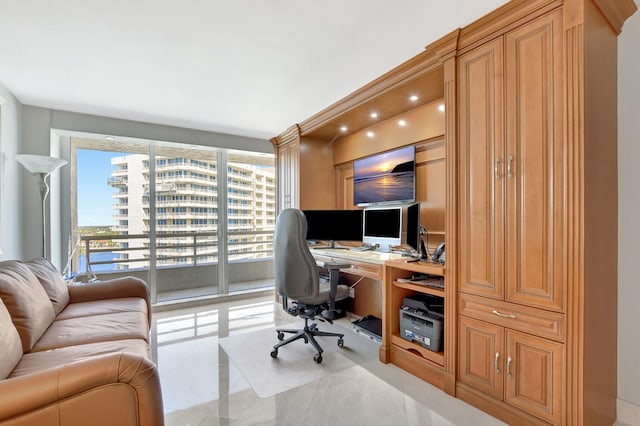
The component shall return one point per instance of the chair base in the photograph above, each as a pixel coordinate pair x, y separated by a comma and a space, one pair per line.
308, 333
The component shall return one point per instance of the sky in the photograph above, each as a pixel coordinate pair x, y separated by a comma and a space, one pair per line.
94, 194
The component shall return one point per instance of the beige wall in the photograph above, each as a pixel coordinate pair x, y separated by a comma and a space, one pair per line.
629, 225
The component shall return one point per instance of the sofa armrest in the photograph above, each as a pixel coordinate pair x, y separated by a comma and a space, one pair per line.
111, 289
35, 394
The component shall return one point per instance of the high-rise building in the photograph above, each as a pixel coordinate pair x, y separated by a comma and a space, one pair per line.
186, 210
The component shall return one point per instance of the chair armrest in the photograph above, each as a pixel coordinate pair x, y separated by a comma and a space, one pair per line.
111, 289
336, 265
59, 385
334, 273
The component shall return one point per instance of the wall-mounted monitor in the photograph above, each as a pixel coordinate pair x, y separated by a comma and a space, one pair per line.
334, 225
382, 226
388, 177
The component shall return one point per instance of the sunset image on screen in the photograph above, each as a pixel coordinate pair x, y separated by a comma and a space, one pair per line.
385, 177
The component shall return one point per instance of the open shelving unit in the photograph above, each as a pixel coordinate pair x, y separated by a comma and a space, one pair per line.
410, 356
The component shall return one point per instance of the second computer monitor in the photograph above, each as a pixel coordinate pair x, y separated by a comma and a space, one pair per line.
382, 226
413, 227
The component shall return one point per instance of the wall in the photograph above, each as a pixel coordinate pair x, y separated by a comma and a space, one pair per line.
10, 212
629, 227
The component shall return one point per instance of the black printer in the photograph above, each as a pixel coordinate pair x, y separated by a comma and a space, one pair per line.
421, 320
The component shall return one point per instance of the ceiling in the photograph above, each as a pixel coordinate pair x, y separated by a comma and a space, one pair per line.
244, 67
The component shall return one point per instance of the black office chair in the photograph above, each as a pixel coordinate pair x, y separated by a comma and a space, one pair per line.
298, 282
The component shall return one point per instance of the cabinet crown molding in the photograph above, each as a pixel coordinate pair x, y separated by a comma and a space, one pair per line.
289, 135
616, 12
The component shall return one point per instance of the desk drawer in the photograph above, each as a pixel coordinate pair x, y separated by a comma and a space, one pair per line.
522, 318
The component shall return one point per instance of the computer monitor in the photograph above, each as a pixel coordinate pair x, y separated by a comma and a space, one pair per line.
334, 225
382, 226
413, 227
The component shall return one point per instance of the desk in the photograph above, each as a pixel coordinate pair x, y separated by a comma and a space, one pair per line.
383, 295
367, 299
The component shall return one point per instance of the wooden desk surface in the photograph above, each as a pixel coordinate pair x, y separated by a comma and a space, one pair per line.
364, 264
359, 256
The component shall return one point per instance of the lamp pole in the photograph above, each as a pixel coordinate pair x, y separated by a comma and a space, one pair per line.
44, 192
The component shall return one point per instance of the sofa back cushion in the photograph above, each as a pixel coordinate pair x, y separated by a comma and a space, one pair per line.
10, 344
52, 282
28, 304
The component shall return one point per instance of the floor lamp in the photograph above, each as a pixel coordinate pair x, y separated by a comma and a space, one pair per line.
41, 166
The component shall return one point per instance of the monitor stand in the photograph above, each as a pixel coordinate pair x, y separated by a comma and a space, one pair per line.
332, 245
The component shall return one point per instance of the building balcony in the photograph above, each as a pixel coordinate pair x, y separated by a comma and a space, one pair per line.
118, 181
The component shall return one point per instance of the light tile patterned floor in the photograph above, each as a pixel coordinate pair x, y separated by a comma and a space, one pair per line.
201, 386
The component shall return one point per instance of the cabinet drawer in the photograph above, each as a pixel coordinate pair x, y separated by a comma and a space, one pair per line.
528, 320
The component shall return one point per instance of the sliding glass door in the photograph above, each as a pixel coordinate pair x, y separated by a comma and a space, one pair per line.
193, 222
251, 211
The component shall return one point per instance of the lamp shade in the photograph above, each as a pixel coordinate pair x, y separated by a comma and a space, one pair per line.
40, 163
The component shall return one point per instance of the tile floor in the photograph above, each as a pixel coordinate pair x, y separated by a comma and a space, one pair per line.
202, 386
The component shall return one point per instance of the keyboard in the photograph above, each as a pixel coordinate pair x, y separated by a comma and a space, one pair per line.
426, 280
363, 248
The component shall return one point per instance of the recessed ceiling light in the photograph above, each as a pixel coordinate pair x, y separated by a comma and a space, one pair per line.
110, 138
344, 128
413, 98
374, 115
370, 134
441, 107
402, 123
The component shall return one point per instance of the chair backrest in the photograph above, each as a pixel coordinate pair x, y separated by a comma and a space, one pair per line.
295, 268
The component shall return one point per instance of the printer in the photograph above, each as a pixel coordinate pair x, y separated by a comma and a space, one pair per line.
421, 320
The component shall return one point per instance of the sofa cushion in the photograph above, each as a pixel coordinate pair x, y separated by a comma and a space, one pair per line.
10, 344
92, 329
38, 361
51, 281
101, 307
28, 304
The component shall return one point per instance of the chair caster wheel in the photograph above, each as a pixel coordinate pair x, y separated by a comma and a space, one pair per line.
280, 335
340, 343
274, 353
317, 358
306, 340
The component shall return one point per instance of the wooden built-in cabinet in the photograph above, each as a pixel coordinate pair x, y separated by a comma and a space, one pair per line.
518, 174
511, 213
305, 171
288, 165
511, 166
523, 370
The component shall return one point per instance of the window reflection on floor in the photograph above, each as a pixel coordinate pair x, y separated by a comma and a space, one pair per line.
222, 321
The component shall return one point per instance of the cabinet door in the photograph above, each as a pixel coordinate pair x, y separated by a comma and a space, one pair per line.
481, 133
480, 356
535, 163
534, 375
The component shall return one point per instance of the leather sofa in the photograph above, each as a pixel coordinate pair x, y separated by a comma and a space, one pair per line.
75, 354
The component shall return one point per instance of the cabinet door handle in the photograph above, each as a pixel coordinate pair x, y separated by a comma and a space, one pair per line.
509, 172
497, 168
500, 314
509, 359
497, 365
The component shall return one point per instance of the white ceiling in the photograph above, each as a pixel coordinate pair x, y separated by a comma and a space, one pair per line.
245, 67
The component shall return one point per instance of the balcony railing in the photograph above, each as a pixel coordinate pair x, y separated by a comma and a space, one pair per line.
173, 249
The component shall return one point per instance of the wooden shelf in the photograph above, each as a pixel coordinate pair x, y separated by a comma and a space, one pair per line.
420, 288
420, 267
418, 350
